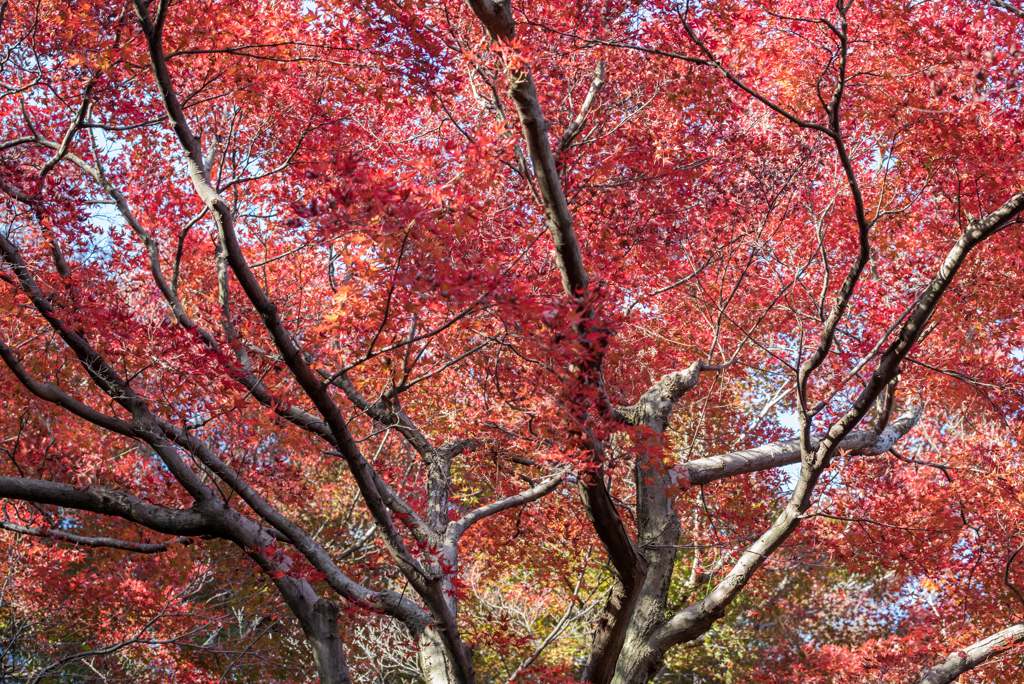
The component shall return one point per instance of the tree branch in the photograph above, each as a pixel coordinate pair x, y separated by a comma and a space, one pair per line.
190, 522
229, 523
497, 20
94, 542
1002, 4
268, 311
76, 124
389, 416
654, 407
458, 527
629, 568
49, 392
576, 126
972, 656
694, 620
144, 423
862, 442
239, 372
428, 585
556, 210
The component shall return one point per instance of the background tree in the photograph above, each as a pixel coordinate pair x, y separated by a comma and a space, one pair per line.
465, 341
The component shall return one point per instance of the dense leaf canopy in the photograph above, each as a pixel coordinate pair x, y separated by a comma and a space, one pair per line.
466, 341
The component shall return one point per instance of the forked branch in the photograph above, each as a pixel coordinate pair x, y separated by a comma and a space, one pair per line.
694, 620
426, 583
654, 408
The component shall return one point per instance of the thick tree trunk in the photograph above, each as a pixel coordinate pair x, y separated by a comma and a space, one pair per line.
658, 525
638, 664
435, 661
435, 666
629, 569
322, 634
319, 621
658, 532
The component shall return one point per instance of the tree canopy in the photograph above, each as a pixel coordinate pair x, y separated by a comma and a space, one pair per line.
463, 341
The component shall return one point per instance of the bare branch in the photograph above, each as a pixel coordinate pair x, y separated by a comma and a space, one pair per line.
53, 394
588, 103
654, 407
76, 124
457, 528
389, 415
556, 210
970, 657
94, 542
694, 620
862, 442
192, 522
427, 584
144, 423
1002, 4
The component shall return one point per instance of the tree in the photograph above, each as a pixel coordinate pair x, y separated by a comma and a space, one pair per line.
469, 333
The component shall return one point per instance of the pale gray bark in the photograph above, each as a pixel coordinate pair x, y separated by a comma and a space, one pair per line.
654, 408
777, 454
458, 527
321, 628
970, 657
318, 618
596, 83
436, 668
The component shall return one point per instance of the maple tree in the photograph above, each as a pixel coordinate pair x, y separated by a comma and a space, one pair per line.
462, 341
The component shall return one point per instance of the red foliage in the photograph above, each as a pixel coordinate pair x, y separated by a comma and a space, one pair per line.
350, 327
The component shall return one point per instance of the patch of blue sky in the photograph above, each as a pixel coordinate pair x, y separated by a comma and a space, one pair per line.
789, 420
